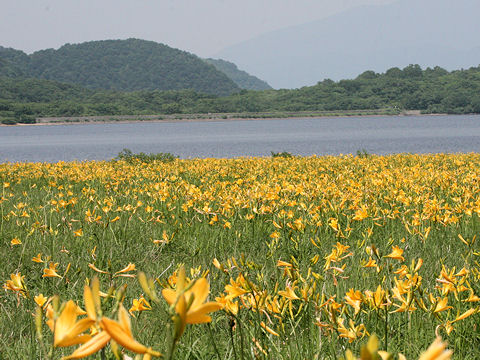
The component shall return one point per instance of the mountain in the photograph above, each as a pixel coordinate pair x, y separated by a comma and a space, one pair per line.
124, 65
425, 32
243, 79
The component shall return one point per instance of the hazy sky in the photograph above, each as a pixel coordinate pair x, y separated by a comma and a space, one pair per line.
199, 26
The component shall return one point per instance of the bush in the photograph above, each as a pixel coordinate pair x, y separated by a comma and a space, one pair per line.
27, 119
363, 153
283, 154
8, 121
128, 156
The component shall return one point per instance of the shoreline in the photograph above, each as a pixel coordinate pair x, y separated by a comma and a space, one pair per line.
127, 119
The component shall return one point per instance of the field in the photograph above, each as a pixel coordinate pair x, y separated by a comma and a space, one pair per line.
297, 257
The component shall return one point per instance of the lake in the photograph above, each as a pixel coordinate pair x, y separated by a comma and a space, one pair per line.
300, 136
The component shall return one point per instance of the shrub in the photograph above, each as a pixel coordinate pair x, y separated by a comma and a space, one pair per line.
283, 154
8, 121
128, 156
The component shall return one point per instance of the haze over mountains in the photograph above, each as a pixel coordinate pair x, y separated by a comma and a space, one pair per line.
425, 32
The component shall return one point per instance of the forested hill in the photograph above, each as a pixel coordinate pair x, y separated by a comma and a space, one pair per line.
123, 65
241, 78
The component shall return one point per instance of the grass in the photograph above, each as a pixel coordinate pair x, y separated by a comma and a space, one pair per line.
275, 225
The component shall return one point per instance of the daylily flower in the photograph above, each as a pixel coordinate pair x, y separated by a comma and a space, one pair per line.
396, 253
51, 271
268, 329
15, 241
139, 305
442, 305
67, 331
128, 268
289, 294
464, 315
121, 332
38, 258
94, 268
90, 347
16, 284
436, 351
40, 300
78, 232
188, 301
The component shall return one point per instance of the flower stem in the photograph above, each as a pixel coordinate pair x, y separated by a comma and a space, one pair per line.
213, 341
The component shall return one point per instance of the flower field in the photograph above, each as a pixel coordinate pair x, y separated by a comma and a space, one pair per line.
269, 258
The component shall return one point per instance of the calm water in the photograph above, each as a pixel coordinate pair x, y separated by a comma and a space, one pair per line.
321, 136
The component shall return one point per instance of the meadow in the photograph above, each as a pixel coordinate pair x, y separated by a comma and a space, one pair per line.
269, 258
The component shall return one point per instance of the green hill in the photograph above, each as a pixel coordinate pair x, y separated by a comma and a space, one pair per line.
243, 79
123, 65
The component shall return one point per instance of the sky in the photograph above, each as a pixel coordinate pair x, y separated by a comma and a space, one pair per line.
202, 27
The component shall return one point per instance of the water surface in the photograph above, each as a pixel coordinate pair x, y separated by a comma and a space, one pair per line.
301, 136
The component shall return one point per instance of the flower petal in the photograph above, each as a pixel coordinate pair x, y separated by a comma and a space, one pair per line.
90, 347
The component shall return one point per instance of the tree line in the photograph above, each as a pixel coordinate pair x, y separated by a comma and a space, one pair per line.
432, 90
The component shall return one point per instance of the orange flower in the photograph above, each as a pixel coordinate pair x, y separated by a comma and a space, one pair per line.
396, 253
121, 332
139, 305
188, 302
15, 241
40, 300
51, 271
128, 268
67, 331
78, 232
38, 258
16, 284
436, 351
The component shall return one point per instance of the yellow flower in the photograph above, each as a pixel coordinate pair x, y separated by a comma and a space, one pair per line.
236, 287
94, 268
51, 271
289, 294
436, 351
472, 297
188, 301
40, 300
228, 305
370, 263
121, 332
442, 305
268, 329
16, 284
38, 258
354, 299
128, 268
78, 232
91, 298
90, 347
15, 241
396, 253
361, 214
464, 315
139, 305
67, 331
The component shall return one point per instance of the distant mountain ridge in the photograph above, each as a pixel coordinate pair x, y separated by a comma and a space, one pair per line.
243, 79
425, 32
123, 65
